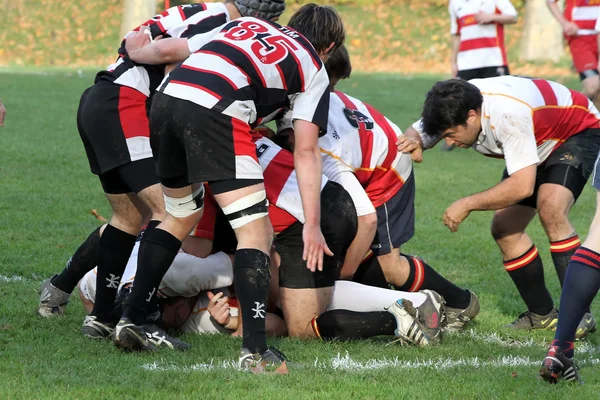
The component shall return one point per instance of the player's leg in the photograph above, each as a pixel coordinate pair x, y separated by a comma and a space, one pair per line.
524, 265
395, 226
584, 50
591, 86
581, 284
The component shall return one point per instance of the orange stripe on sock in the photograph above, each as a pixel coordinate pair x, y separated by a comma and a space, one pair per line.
521, 261
419, 275
315, 327
565, 245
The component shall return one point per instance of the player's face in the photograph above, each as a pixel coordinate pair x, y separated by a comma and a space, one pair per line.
464, 135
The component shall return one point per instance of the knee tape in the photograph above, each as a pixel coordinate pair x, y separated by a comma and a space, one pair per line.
247, 209
185, 206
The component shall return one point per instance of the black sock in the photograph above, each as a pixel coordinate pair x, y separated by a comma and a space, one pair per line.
151, 225
157, 252
81, 262
581, 284
370, 273
350, 325
423, 276
251, 277
527, 272
114, 252
561, 252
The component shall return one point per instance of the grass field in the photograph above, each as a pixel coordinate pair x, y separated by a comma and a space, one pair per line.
46, 193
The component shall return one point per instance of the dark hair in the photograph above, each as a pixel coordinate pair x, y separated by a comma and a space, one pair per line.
447, 104
338, 65
321, 25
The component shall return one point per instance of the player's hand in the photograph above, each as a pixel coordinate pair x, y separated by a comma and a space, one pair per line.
218, 307
485, 18
454, 70
138, 39
455, 214
407, 144
2, 113
570, 28
314, 247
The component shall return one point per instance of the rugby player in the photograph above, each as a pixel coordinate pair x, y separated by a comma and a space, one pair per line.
359, 152
549, 137
237, 76
113, 124
578, 22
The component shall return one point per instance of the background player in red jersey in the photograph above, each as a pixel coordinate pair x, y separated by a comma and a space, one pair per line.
579, 27
548, 136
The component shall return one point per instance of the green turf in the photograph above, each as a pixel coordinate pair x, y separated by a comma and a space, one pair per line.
46, 193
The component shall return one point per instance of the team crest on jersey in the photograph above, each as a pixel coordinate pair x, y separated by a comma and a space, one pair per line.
356, 119
262, 149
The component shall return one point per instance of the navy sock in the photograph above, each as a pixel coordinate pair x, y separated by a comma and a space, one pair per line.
581, 284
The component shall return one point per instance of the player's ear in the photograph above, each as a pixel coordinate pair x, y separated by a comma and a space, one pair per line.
328, 49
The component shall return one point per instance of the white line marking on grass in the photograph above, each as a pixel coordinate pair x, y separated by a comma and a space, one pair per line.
348, 364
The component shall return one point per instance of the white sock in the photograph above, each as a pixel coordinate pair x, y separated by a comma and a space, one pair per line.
190, 275
353, 296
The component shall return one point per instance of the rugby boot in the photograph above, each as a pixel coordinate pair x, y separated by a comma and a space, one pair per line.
556, 366
53, 301
272, 358
456, 318
131, 337
431, 314
586, 326
160, 338
408, 328
529, 321
94, 329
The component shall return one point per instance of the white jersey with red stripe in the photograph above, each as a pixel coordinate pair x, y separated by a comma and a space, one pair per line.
252, 70
524, 120
281, 183
481, 45
584, 13
361, 140
180, 21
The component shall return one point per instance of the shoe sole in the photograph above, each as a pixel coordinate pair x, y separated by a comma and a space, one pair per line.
549, 375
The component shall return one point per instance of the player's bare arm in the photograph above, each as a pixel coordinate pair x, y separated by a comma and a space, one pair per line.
308, 165
511, 190
489, 18
2, 113
569, 27
166, 51
454, 55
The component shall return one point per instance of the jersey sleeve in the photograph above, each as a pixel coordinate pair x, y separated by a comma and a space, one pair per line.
514, 130
597, 26
196, 42
453, 20
312, 105
161, 24
428, 141
506, 7
338, 172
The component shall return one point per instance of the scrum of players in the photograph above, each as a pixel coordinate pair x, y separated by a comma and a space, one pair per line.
221, 224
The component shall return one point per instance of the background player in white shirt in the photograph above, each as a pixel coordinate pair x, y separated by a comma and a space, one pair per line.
549, 137
477, 28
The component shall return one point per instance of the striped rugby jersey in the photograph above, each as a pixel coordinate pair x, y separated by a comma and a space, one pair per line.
253, 70
584, 13
361, 140
480, 45
180, 21
524, 120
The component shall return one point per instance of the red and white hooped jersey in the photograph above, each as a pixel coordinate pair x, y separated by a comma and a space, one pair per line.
252, 70
524, 120
584, 13
361, 140
281, 183
480, 45
180, 21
